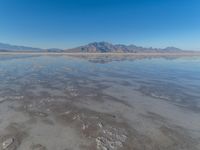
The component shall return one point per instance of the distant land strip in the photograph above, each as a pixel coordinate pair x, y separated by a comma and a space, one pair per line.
105, 54
99, 48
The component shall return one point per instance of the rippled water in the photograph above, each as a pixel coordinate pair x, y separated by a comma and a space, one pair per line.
173, 84
175, 79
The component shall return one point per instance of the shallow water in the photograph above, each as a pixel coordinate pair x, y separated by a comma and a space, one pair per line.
150, 103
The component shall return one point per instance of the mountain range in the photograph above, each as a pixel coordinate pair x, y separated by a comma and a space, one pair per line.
105, 47
95, 47
9, 47
15, 48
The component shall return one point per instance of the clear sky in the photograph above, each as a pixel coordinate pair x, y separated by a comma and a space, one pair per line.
69, 23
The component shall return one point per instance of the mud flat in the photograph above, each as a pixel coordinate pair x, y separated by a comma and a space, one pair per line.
67, 103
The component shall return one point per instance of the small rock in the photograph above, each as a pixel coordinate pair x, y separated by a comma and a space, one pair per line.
100, 125
84, 126
7, 143
67, 112
76, 117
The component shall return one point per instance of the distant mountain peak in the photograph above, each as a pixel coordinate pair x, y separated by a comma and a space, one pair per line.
106, 47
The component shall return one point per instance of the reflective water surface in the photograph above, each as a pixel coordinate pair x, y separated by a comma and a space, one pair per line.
68, 103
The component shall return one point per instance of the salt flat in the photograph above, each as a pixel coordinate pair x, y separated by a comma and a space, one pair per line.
99, 102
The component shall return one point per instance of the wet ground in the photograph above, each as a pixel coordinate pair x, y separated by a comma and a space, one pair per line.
99, 103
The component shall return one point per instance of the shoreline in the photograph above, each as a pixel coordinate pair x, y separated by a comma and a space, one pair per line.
103, 54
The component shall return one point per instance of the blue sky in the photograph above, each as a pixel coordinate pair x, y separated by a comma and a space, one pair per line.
69, 23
